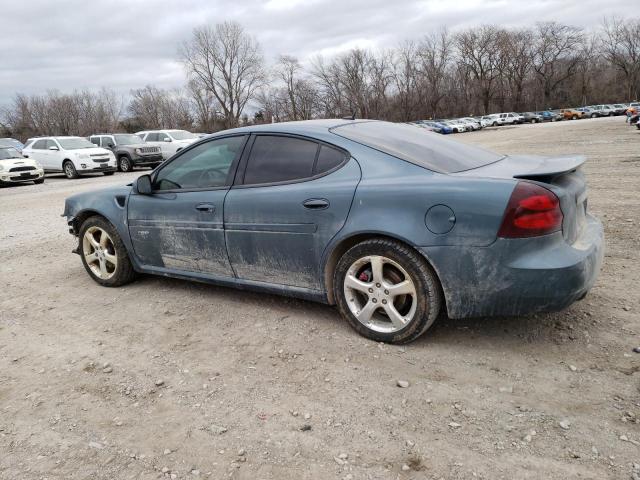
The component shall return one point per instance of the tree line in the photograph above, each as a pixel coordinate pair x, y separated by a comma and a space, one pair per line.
474, 71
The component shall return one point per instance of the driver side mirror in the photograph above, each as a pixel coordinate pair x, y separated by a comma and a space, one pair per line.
167, 139
143, 185
53, 147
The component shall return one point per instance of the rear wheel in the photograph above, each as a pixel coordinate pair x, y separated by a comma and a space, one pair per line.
69, 169
103, 254
386, 291
574, 117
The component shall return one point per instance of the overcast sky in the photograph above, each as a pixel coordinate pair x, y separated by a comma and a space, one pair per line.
125, 44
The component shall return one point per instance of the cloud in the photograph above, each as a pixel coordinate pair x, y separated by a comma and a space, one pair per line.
123, 44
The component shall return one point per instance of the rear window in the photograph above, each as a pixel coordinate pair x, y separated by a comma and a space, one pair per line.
420, 147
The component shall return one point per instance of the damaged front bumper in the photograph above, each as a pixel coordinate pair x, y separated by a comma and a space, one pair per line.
519, 276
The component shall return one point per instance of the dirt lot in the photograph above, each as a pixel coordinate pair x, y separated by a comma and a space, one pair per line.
169, 379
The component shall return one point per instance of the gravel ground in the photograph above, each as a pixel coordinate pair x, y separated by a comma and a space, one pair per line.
170, 379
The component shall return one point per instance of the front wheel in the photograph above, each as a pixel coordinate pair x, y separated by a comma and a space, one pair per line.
69, 170
103, 254
124, 164
386, 291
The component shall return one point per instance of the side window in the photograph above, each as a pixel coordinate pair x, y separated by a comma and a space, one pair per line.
40, 145
328, 158
51, 143
106, 141
162, 137
204, 166
279, 159
95, 140
152, 137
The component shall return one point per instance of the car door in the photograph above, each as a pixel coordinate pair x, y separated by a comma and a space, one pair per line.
167, 145
108, 142
179, 226
291, 197
55, 155
38, 152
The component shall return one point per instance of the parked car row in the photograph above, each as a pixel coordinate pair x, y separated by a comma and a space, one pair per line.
469, 124
103, 153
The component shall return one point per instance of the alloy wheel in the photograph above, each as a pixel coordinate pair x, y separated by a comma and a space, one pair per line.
68, 170
125, 165
99, 253
380, 294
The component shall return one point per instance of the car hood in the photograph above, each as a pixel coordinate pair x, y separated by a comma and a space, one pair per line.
527, 166
17, 162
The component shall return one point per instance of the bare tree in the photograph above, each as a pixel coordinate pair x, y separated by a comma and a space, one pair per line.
480, 55
204, 105
556, 56
434, 53
518, 53
228, 63
152, 107
621, 47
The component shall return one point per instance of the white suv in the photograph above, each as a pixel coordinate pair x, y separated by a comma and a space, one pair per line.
73, 156
169, 141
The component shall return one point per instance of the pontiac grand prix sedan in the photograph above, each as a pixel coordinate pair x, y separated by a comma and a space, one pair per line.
389, 223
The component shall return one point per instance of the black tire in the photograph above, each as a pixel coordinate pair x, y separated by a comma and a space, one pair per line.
124, 272
124, 164
39, 181
427, 286
107, 174
574, 117
593, 115
69, 169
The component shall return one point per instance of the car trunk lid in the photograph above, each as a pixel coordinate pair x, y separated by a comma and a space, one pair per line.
560, 174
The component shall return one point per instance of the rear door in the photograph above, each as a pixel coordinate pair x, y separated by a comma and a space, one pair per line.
291, 196
38, 151
179, 227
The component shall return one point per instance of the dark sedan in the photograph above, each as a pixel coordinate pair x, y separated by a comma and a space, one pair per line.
390, 223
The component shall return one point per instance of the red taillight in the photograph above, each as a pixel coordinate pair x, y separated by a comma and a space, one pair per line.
532, 210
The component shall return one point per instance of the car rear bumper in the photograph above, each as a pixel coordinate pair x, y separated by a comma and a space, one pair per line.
519, 276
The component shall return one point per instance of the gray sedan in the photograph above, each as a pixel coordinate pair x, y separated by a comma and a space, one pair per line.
390, 223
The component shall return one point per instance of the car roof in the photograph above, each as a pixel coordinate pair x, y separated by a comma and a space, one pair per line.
301, 127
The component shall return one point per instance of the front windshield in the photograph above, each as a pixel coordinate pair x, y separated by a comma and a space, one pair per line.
182, 135
9, 152
74, 143
127, 139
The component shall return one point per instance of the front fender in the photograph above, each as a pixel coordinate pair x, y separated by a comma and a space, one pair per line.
109, 203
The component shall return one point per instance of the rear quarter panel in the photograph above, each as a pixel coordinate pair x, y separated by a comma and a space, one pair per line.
394, 196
